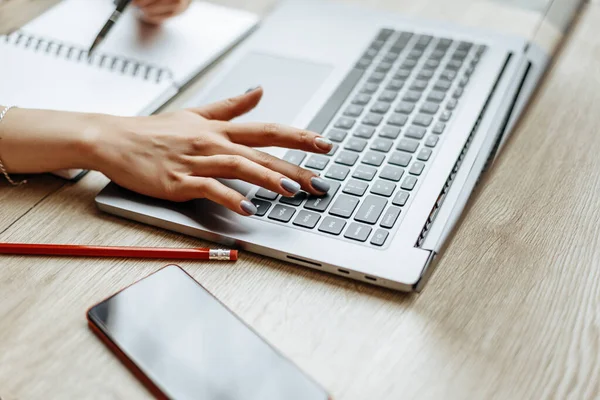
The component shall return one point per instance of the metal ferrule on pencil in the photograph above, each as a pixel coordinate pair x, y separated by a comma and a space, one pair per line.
219, 254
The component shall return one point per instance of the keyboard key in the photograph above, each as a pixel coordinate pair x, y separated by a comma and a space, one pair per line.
385, 34
346, 158
408, 64
459, 55
445, 115
383, 145
416, 168
466, 46
377, 44
457, 93
266, 194
337, 135
355, 144
442, 85
370, 209
370, 54
357, 188
383, 66
431, 63
261, 207
425, 74
429, 108
397, 119
395, 85
448, 75
388, 96
391, 173
363, 63
294, 157
389, 132
423, 41
390, 217
320, 203
295, 200
400, 198
317, 162
344, 206
437, 55
333, 149
365, 173
424, 154
369, 88
451, 104
438, 127
364, 131
402, 74
373, 158
353, 110
345, 123
404, 107
379, 237
358, 232
436, 96
361, 99
431, 141
337, 172
383, 188
414, 55
412, 96
376, 77
307, 219
391, 56
407, 145
415, 132
409, 182
332, 225
372, 119
422, 120
444, 43
380, 107
454, 65
282, 213
400, 158
419, 85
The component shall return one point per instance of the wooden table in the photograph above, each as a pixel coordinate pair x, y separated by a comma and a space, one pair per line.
512, 312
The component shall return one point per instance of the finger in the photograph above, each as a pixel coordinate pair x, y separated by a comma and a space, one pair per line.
263, 135
156, 19
214, 190
144, 3
238, 167
308, 180
228, 109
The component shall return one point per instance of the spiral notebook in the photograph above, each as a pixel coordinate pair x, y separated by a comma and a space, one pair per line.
137, 69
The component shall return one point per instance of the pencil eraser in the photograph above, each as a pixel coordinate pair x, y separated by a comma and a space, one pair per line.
233, 256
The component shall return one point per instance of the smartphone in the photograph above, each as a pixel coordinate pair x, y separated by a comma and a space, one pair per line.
183, 343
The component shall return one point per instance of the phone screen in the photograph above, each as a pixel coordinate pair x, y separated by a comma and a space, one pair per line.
192, 347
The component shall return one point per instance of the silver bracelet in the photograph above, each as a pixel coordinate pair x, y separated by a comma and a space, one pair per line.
2, 169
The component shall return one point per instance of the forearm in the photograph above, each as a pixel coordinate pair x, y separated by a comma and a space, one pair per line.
34, 141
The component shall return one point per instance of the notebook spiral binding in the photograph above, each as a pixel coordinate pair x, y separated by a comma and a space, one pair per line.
75, 53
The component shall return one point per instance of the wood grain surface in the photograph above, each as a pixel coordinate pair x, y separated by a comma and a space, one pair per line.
513, 311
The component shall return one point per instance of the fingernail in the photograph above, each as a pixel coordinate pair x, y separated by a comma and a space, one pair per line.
252, 89
248, 207
323, 143
320, 184
290, 185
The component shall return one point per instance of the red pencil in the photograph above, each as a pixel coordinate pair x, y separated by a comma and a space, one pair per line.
128, 252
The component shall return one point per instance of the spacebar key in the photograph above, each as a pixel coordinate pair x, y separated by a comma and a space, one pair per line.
320, 203
371, 209
331, 106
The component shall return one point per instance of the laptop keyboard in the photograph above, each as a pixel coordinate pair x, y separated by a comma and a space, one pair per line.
386, 120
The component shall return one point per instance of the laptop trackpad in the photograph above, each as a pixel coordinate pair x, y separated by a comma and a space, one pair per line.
288, 85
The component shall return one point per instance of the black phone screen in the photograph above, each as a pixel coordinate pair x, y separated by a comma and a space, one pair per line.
192, 347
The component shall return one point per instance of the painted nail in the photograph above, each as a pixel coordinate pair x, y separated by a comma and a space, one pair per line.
248, 207
323, 143
320, 184
252, 89
290, 185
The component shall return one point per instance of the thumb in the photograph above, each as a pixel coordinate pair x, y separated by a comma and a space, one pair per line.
232, 107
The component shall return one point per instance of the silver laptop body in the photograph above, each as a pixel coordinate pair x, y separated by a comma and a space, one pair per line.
311, 57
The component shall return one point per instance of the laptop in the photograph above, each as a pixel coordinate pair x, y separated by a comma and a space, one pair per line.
417, 111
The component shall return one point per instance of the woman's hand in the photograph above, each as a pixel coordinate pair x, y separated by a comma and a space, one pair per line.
157, 11
177, 156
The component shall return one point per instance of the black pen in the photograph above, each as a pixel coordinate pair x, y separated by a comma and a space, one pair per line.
121, 5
